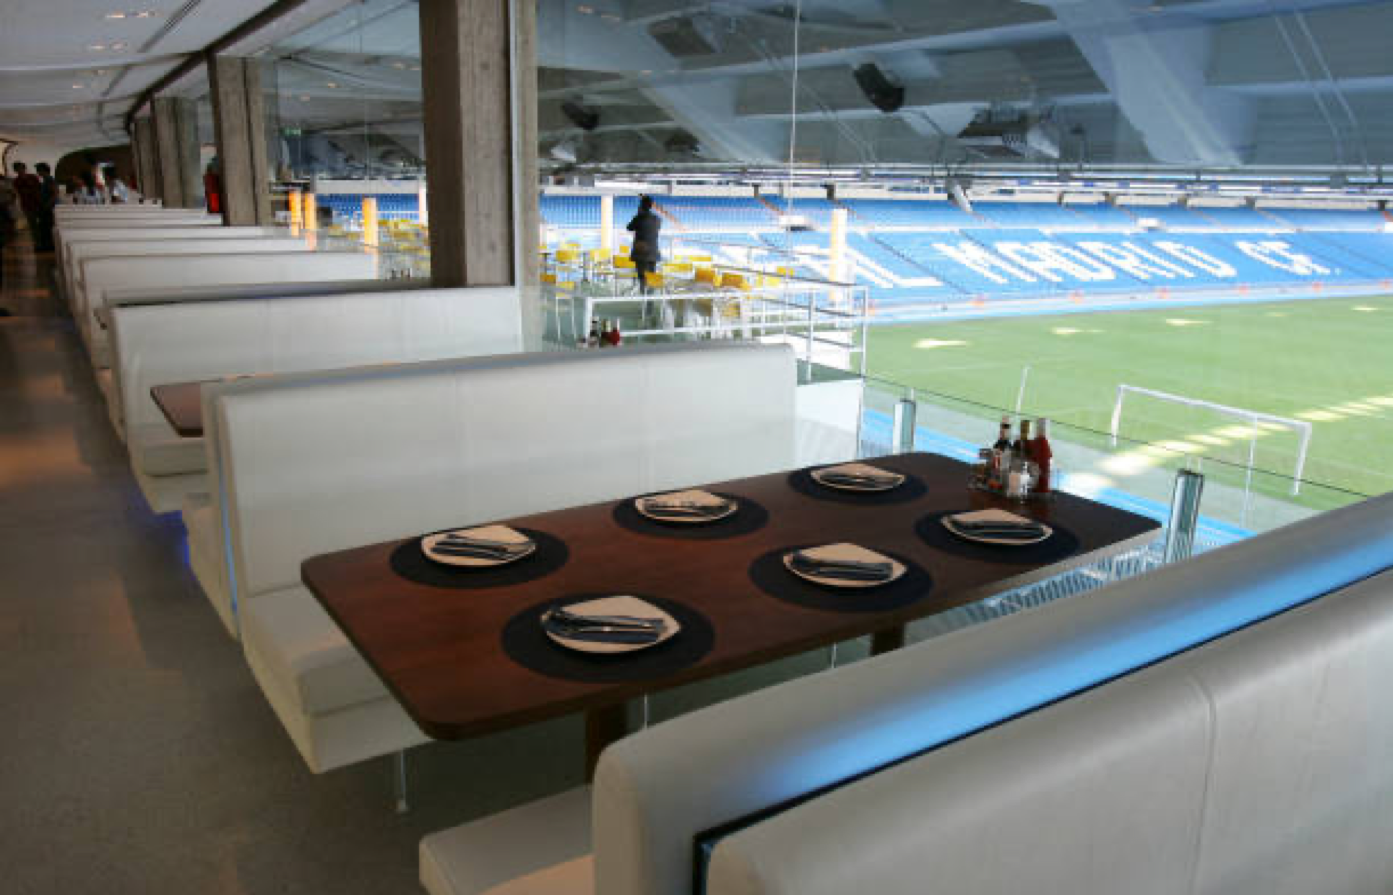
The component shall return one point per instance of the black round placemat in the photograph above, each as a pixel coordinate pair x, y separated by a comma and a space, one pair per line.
411, 563
751, 516
1060, 545
912, 488
528, 645
770, 575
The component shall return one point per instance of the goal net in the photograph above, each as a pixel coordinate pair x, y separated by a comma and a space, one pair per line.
1251, 439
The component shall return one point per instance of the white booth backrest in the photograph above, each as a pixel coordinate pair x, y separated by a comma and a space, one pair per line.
80, 250
242, 291
117, 233
1259, 763
349, 461
170, 271
191, 341
822, 731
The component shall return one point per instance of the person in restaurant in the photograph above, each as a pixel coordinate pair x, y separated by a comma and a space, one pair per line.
28, 187
8, 198
48, 198
644, 251
117, 193
212, 187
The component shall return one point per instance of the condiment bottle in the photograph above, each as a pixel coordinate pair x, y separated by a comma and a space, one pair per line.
1042, 454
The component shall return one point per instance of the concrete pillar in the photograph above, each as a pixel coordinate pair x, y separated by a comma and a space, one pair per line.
147, 159
239, 122
478, 73
176, 132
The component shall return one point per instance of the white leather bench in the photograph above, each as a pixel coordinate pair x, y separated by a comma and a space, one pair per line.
355, 459
192, 341
1259, 763
187, 243
98, 275
656, 792
76, 240
108, 378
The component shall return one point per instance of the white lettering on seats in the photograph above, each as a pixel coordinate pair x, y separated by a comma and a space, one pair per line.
1128, 260
1195, 258
1048, 260
1278, 254
973, 256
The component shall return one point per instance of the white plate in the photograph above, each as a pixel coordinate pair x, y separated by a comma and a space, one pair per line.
700, 498
994, 515
500, 533
850, 552
857, 469
616, 606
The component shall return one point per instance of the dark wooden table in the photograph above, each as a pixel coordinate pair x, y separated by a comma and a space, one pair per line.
182, 404
439, 650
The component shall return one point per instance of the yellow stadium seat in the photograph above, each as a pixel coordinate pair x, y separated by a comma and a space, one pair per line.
548, 278
566, 256
706, 275
623, 263
654, 280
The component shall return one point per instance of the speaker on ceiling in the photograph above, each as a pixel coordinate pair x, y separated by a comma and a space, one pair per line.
585, 118
885, 96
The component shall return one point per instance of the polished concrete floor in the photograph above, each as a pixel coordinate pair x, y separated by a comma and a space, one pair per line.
140, 756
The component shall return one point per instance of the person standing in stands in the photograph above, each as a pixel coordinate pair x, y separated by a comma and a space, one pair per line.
644, 251
28, 187
48, 198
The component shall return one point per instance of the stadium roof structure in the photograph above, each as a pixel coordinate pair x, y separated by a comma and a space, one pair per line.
1080, 83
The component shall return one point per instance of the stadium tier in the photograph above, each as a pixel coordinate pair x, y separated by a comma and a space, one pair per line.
929, 215
1030, 214
1319, 219
915, 254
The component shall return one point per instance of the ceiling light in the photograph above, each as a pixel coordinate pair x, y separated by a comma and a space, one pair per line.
116, 15
96, 48
77, 86
145, 14
585, 10
119, 45
331, 85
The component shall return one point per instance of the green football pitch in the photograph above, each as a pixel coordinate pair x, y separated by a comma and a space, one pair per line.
1328, 362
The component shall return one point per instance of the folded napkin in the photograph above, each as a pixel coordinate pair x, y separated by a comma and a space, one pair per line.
857, 475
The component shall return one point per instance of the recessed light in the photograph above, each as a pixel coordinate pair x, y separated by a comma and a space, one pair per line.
96, 48
77, 86
119, 45
116, 15
145, 14
331, 85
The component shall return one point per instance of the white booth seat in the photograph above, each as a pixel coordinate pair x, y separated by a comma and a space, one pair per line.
202, 340
355, 459
76, 241
100, 275
657, 791
80, 251
68, 226
113, 298
1257, 763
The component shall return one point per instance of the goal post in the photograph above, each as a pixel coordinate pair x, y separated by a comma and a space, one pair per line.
1253, 417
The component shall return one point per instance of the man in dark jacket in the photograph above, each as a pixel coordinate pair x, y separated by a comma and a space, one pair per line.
644, 252
48, 200
28, 187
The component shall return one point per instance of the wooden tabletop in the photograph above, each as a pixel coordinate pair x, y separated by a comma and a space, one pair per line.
439, 649
182, 404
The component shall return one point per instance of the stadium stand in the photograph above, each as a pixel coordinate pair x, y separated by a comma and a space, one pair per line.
1319, 219
716, 213
1029, 214
927, 215
1103, 216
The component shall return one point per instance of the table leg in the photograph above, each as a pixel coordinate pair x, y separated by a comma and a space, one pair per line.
602, 727
887, 640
